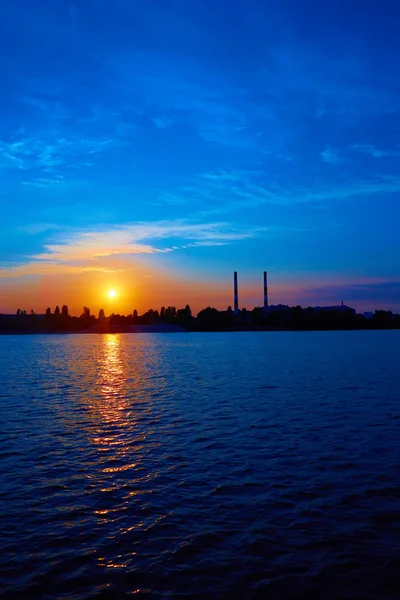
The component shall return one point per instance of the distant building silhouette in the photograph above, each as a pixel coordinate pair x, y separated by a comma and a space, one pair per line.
235, 294
265, 290
341, 308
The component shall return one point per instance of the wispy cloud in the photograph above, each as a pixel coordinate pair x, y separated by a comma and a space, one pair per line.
374, 151
86, 249
331, 156
340, 86
38, 228
247, 189
51, 106
218, 115
163, 122
354, 189
44, 182
46, 155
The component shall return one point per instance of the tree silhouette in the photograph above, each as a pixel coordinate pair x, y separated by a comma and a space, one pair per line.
256, 317
184, 315
150, 317
57, 311
64, 310
170, 314
382, 319
208, 315
48, 313
101, 315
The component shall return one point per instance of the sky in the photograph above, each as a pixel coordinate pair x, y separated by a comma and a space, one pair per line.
155, 146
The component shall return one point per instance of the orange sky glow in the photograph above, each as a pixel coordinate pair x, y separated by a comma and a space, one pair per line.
142, 288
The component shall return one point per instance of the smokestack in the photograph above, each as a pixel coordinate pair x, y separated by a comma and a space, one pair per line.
236, 295
265, 290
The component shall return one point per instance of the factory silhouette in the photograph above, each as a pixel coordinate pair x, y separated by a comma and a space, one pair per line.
267, 309
236, 292
171, 319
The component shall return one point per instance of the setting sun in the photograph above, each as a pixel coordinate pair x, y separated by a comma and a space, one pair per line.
112, 293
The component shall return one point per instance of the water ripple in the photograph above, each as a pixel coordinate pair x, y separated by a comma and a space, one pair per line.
259, 465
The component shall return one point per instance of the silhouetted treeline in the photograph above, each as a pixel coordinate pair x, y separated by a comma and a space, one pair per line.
56, 321
208, 319
167, 315
294, 318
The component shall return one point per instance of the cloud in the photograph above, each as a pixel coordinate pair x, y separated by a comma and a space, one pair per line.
50, 268
44, 182
47, 154
37, 228
54, 109
247, 189
115, 120
330, 156
219, 115
373, 150
87, 249
354, 189
163, 122
341, 86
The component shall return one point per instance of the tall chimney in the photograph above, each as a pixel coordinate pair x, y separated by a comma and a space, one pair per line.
265, 290
236, 295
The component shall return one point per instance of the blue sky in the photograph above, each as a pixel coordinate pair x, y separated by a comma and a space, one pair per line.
192, 138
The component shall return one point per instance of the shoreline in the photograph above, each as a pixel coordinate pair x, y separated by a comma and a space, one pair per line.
149, 329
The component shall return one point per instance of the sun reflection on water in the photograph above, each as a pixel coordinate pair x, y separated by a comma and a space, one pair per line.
121, 431
112, 373
112, 405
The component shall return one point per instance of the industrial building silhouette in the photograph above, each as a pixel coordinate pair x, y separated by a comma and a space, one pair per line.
267, 308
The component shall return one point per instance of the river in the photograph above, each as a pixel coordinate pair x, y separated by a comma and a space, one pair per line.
200, 465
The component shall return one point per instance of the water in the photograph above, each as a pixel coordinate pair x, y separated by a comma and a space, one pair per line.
234, 465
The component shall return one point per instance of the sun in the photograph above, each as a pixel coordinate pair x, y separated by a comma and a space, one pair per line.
112, 293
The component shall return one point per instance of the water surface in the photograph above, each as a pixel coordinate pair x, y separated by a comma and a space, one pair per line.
232, 465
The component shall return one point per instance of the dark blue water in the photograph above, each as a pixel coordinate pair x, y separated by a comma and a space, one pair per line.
235, 465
